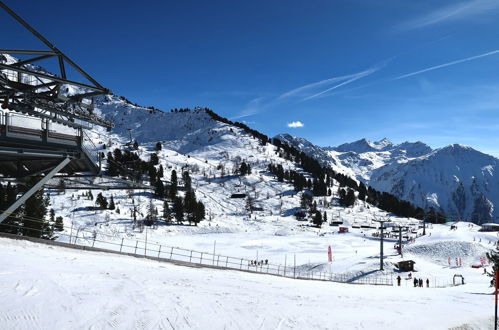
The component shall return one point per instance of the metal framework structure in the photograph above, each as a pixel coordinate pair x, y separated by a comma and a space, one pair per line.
43, 116
27, 89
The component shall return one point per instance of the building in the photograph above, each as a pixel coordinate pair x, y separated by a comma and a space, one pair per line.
490, 227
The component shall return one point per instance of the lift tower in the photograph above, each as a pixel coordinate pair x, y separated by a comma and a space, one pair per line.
45, 116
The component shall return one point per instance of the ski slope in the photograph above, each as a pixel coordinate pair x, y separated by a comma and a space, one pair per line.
43, 287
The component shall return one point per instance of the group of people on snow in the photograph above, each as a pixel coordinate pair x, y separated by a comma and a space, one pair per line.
417, 282
259, 263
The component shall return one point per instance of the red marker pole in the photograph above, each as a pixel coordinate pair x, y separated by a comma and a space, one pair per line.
496, 277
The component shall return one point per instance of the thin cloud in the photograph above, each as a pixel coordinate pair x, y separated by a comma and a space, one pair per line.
295, 124
252, 108
349, 81
447, 64
311, 91
302, 89
461, 10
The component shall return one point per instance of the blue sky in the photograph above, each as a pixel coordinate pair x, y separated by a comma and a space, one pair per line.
407, 70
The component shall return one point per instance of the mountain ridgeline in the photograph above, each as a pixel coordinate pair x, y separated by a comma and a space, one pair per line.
321, 183
456, 180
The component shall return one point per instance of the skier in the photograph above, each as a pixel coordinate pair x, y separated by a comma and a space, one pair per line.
409, 276
420, 282
415, 282
398, 280
427, 283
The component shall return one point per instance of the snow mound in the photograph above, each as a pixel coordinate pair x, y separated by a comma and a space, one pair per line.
440, 251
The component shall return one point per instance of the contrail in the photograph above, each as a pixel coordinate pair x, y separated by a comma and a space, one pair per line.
447, 64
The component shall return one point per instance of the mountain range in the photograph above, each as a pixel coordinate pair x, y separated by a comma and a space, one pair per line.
457, 180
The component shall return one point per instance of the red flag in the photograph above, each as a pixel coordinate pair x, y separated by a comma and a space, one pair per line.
329, 254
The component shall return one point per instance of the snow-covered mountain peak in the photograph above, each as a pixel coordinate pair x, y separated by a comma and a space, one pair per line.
363, 145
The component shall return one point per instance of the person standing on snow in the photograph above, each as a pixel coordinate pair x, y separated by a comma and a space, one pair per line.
420, 282
398, 280
415, 282
427, 283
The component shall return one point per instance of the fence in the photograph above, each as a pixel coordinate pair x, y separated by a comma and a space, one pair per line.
84, 238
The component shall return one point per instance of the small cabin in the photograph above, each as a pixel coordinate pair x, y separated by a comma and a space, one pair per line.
490, 227
238, 195
343, 230
405, 266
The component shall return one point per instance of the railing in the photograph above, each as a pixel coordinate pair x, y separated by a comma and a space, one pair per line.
29, 127
90, 149
105, 242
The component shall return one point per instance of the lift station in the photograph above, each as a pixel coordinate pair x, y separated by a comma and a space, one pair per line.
45, 117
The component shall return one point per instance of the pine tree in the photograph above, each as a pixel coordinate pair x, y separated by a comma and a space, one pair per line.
135, 145
151, 214
101, 201
173, 185
160, 172
152, 175
493, 256
111, 203
167, 216
178, 209
190, 205
154, 159
59, 224
317, 219
200, 213
243, 169
187, 180
158, 146
160, 189
34, 212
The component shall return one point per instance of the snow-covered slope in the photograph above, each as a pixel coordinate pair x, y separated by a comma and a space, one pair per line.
58, 288
456, 179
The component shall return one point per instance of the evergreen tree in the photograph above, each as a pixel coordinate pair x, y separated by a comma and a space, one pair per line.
493, 256
101, 201
154, 159
59, 224
152, 175
178, 209
111, 203
187, 180
317, 219
160, 172
34, 211
190, 205
151, 214
167, 213
160, 189
200, 213
135, 145
112, 165
173, 185
158, 146
243, 168
306, 201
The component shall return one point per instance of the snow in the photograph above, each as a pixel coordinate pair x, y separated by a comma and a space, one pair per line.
50, 287
457, 179
98, 290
